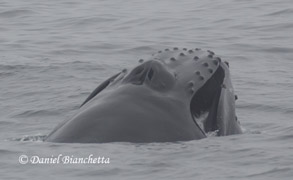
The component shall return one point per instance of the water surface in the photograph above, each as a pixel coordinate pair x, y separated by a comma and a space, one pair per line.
54, 53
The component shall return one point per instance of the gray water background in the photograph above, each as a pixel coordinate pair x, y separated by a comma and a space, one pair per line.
54, 53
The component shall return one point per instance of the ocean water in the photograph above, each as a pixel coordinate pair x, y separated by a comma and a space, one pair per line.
54, 53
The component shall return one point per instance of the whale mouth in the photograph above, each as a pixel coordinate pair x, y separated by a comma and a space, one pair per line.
204, 103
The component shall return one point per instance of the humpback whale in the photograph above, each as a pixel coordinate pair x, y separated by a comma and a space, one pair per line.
174, 95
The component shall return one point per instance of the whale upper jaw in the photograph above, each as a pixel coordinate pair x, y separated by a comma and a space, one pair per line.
175, 95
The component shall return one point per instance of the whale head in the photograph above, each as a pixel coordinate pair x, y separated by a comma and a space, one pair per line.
175, 95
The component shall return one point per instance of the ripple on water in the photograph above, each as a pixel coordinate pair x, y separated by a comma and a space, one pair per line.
283, 12
274, 172
37, 113
38, 138
16, 13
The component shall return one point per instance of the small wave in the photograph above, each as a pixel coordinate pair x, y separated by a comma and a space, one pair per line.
37, 138
30, 113
249, 131
278, 50
70, 62
6, 74
69, 52
4, 123
285, 137
142, 48
12, 67
86, 21
101, 46
274, 171
281, 12
4, 151
18, 67
212, 133
16, 13
146, 49
78, 22
265, 107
